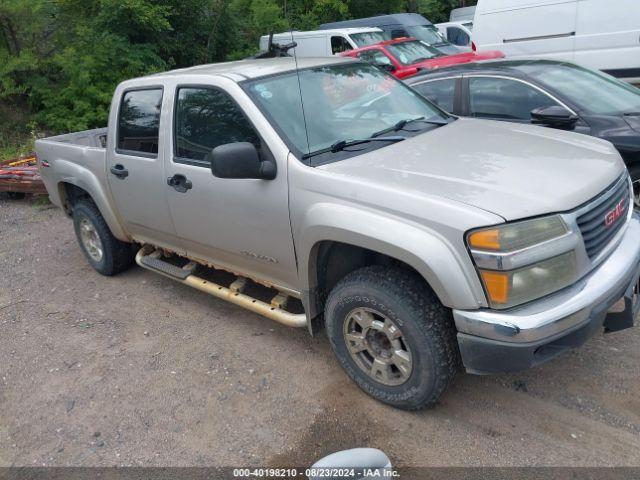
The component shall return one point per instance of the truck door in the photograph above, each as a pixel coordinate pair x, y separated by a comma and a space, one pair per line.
135, 167
239, 224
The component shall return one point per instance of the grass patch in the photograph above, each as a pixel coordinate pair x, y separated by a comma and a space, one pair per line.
41, 202
21, 146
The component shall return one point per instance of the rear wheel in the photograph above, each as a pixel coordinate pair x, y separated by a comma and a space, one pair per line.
105, 253
392, 336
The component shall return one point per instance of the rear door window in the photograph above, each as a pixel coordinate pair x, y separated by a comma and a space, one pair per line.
205, 118
139, 122
441, 92
503, 98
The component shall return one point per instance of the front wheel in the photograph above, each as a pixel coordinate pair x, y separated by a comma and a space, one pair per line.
392, 336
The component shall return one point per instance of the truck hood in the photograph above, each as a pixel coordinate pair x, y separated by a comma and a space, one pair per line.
512, 170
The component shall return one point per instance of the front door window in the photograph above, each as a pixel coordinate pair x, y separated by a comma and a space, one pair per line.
503, 98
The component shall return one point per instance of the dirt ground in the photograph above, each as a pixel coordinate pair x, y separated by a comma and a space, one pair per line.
139, 370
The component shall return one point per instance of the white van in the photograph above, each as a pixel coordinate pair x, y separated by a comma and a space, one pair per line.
600, 34
325, 43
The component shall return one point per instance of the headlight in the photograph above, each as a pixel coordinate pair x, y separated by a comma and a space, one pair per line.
515, 236
519, 262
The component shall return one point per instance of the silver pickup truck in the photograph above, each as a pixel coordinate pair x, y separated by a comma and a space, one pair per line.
324, 193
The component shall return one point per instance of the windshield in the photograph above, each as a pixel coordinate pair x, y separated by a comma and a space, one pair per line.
367, 38
341, 102
594, 92
428, 34
413, 51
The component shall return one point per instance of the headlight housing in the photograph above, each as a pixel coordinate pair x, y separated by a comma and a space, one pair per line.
522, 261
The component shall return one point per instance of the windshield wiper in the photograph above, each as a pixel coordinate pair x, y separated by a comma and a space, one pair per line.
342, 144
403, 123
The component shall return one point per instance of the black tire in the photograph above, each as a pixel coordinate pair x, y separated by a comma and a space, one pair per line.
426, 326
116, 255
634, 171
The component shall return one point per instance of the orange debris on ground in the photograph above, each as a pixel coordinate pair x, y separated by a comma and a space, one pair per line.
21, 175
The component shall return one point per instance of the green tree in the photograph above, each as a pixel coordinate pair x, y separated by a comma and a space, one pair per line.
60, 60
368, 8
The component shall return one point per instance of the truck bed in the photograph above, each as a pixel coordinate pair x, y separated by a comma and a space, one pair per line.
78, 157
88, 138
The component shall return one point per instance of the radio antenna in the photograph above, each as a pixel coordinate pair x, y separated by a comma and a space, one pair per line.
304, 117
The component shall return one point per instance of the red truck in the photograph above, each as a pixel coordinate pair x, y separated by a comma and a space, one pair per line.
404, 57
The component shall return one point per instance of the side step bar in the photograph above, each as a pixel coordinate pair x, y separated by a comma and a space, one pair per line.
153, 261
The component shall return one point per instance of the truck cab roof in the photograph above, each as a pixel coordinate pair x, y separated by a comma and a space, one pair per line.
250, 68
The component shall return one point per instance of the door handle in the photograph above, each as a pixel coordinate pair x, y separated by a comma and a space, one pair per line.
119, 171
180, 183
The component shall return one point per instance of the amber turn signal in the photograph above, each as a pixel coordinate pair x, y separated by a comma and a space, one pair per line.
497, 286
485, 239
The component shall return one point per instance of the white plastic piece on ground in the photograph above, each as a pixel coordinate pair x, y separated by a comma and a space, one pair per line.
372, 462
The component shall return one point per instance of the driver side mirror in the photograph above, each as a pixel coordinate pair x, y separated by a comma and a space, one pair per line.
241, 160
554, 116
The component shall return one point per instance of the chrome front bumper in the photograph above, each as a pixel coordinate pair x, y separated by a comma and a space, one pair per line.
560, 314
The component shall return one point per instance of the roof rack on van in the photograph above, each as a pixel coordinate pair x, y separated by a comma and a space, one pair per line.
275, 50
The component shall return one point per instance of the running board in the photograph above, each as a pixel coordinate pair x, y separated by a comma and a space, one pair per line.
153, 261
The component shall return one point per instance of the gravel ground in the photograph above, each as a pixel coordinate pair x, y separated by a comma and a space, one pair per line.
139, 370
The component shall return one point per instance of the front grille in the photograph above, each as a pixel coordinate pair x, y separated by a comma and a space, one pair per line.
600, 223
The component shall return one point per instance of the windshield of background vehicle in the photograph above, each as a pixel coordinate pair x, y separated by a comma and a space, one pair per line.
367, 38
428, 34
413, 51
594, 92
341, 102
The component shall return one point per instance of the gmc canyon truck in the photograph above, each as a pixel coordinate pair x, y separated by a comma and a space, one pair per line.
325, 193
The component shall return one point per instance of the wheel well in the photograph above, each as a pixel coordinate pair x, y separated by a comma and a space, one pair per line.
70, 195
335, 260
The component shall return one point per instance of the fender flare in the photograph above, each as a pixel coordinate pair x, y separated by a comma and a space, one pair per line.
75, 174
452, 276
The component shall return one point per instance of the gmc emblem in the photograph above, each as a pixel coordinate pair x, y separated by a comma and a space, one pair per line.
613, 215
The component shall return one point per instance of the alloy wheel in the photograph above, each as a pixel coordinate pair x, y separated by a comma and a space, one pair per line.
377, 346
90, 240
